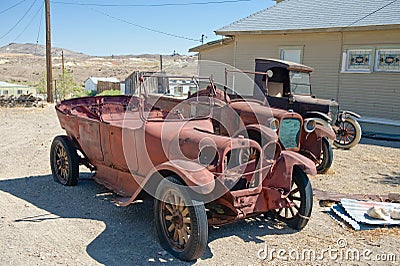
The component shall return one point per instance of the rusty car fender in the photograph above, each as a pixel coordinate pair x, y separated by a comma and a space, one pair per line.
294, 158
325, 131
194, 175
281, 174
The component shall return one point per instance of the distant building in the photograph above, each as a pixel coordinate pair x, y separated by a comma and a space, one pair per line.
132, 82
181, 87
101, 84
8, 89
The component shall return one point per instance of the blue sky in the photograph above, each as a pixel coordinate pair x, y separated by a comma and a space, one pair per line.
98, 30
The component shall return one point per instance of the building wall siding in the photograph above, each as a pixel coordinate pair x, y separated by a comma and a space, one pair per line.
320, 50
375, 94
209, 62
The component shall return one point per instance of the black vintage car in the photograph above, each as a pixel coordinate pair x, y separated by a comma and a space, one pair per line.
287, 86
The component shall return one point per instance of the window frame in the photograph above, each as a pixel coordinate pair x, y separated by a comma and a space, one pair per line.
291, 48
377, 59
346, 56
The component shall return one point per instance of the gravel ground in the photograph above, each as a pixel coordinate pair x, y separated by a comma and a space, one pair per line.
44, 223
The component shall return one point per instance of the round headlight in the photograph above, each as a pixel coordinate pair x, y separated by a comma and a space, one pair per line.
309, 125
208, 156
274, 124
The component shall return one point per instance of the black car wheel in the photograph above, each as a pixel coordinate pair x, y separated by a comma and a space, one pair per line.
301, 197
181, 222
64, 161
326, 158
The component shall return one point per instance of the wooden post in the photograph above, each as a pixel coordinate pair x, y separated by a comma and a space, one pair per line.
62, 63
161, 64
48, 54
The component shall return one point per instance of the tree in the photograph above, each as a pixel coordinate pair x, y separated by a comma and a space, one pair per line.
42, 85
66, 87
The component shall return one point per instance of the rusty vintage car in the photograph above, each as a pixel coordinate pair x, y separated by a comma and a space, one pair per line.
196, 177
288, 86
305, 136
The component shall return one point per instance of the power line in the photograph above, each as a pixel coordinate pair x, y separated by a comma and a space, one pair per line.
150, 5
40, 27
19, 21
145, 28
29, 23
5, 10
373, 12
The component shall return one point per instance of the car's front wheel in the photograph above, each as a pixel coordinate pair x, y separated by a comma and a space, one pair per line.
181, 222
326, 157
301, 198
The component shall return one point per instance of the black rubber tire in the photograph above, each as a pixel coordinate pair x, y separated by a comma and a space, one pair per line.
300, 219
348, 135
326, 157
70, 178
197, 243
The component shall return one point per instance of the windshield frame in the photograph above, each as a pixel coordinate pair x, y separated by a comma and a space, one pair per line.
143, 92
293, 90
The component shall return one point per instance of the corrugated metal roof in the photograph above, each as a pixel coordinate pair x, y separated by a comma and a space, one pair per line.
358, 211
293, 15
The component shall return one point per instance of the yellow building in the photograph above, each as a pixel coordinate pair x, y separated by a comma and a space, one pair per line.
354, 47
8, 89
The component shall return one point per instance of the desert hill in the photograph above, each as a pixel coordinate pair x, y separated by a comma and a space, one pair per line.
25, 64
38, 50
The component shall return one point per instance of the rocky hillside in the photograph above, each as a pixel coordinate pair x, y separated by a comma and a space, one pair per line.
25, 64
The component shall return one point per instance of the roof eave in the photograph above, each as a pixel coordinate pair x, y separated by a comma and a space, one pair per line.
210, 45
313, 30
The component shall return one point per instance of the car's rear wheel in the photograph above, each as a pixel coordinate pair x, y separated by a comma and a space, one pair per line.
326, 157
301, 198
181, 222
64, 161
348, 135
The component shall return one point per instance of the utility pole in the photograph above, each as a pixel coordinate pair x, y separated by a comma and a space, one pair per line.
161, 64
48, 54
62, 63
202, 38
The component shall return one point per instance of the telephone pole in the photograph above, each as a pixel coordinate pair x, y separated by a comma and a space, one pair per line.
62, 63
48, 54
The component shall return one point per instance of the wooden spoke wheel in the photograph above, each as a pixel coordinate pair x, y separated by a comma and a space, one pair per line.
64, 161
301, 200
348, 135
175, 217
181, 222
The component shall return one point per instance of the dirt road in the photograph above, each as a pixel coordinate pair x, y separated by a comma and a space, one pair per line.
44, 223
